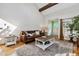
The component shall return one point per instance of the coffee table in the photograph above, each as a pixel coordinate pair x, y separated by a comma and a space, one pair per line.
43, 42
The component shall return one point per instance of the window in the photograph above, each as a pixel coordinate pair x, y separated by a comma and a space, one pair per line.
6, 27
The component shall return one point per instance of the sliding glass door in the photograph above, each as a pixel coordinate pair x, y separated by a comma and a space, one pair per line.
53, 27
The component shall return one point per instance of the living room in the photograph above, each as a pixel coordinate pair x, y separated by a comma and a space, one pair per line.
38, 29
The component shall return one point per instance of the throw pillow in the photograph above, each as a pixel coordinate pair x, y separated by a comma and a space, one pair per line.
37, 33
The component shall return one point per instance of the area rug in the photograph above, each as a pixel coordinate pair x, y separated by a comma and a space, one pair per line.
32, 50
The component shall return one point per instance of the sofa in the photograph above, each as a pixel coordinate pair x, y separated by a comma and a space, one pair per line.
29, 36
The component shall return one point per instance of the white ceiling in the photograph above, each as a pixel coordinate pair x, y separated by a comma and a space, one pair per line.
55, 8
22, 11
58, 7
13, 12
60, 10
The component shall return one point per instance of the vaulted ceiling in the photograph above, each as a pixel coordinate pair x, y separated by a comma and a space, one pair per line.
62, 9
27, 15
22, 12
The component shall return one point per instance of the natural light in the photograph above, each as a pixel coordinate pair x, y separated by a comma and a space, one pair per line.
6, 26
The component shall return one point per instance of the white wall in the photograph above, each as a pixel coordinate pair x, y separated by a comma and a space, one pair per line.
24, 16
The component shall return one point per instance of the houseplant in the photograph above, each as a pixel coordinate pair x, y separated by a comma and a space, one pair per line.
71, 27
76, 24
76, 28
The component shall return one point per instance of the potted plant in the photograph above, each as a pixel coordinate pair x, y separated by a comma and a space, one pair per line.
76, 28
76, 24
71, 27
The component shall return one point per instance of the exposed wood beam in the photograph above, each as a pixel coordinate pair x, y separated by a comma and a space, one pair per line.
47, 6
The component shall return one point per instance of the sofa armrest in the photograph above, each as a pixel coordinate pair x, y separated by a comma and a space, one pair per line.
22, 38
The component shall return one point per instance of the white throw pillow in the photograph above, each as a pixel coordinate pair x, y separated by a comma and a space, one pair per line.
30, 34
37, 33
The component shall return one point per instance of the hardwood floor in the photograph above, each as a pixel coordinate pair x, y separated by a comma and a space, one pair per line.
9, 50
76, 51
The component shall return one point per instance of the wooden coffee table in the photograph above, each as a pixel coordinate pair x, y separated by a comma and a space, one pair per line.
43, 42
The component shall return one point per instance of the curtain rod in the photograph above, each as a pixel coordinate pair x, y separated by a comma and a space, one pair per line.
67, 18
64, 18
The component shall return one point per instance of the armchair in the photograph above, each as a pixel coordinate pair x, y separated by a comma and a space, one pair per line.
10, 40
